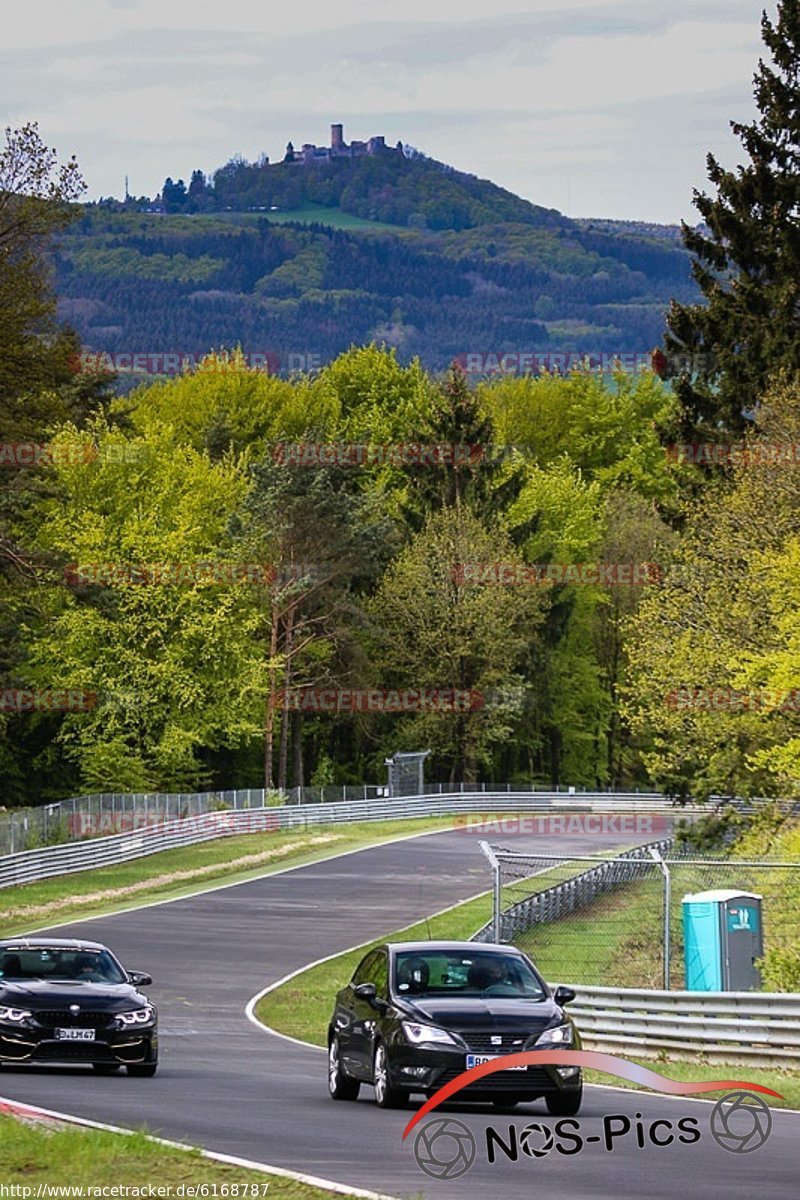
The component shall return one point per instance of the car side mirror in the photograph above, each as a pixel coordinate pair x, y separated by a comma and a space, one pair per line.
564, 995
368, 992
139, 978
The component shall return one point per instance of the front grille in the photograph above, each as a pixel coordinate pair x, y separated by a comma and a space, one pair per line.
501, 1081
481, 1043
63, 1019
74, 1052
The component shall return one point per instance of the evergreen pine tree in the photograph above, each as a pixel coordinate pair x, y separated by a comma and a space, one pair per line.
746, 255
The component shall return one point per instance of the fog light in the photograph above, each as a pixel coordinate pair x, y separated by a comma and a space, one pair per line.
415, 1072
567, 1072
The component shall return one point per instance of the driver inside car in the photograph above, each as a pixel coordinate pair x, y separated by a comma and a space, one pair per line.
89, 969
487, 974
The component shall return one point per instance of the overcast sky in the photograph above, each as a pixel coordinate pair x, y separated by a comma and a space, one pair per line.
595, 108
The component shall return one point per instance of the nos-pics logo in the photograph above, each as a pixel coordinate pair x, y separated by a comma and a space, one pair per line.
446, 1148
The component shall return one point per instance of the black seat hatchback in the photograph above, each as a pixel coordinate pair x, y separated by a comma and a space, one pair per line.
417, 1014
68, 1001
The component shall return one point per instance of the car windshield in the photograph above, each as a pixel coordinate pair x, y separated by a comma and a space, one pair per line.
59, 965
464, 973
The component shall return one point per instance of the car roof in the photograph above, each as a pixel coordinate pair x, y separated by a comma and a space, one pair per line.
460, 947
46, 943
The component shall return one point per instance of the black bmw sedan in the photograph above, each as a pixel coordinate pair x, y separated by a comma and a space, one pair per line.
68, 1001
417, 1014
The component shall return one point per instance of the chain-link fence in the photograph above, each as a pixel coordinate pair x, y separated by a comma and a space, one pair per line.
115, 812
619, 921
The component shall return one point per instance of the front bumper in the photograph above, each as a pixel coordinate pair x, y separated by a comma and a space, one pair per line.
121, 1046
428, 1068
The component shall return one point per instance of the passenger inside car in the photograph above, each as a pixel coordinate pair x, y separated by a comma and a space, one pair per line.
11, 967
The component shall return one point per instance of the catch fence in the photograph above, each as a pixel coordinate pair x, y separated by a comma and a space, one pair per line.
618, 921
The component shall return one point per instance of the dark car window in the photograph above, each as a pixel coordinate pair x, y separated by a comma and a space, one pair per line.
60, 965
373, 969
379, 974
363, 972
460, 973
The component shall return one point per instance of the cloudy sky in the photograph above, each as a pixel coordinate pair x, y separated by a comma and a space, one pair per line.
594, 107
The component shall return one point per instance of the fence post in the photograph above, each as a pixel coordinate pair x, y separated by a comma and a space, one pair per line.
496, 890
667, 901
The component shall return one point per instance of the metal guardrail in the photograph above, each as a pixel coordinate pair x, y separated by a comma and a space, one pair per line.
571, 894
31, 865
762, 1028
120, 812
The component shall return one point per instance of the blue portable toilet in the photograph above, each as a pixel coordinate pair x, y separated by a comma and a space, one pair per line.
723, 935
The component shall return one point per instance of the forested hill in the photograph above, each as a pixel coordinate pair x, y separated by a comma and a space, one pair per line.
299, 261
392, 186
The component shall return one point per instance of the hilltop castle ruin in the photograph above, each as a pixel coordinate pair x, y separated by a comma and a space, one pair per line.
309, 153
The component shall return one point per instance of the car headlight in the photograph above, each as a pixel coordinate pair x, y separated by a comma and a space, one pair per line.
559, 1035
138, 1016
420, 1034
15, 1015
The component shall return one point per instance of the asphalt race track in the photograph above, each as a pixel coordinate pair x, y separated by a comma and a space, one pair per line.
231, 1087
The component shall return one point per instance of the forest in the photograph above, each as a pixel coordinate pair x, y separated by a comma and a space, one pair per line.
237, 576
308, 282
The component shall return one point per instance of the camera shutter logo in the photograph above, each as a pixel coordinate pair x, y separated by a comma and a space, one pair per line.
741, 1122
536, 1140
444, 1148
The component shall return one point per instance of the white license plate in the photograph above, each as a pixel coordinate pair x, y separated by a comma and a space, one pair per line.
74, 1035
477, 1060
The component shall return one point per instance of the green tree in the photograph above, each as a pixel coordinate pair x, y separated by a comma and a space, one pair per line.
747, 253
433, 628
711, 643
39, 388
175, 666
325, 542
456, 421
558, 518
613, 432
36, 195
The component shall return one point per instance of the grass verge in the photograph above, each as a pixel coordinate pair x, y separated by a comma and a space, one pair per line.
617, 939
33, 1154
174, 873
785, 1082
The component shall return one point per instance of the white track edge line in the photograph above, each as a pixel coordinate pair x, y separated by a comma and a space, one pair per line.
249, 1011
232, 1160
